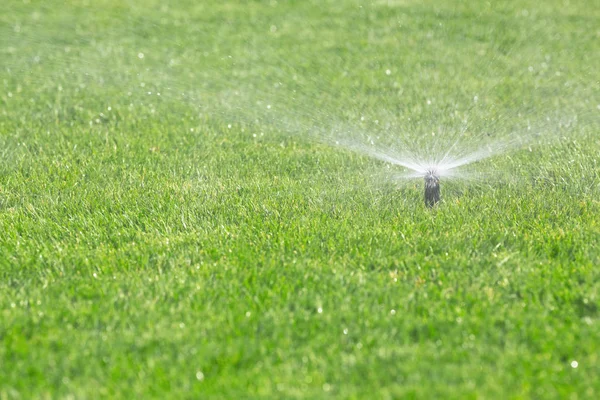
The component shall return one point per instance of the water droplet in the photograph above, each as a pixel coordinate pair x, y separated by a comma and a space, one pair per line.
574, 364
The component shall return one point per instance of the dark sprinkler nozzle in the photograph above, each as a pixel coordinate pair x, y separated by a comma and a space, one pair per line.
432, 189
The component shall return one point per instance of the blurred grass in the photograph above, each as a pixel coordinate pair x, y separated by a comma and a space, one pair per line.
194, 245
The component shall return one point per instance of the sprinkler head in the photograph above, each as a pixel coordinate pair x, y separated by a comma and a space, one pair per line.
432, 188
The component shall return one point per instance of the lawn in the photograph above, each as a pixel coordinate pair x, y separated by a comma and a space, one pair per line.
175, 223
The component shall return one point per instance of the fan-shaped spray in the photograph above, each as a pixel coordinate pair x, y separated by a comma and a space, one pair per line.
436, 165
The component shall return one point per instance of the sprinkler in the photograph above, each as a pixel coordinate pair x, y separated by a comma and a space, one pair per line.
432, 188
444, 160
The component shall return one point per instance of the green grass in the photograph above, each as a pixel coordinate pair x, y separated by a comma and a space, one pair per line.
150, 250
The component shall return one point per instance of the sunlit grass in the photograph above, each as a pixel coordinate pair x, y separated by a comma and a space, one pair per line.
166, 237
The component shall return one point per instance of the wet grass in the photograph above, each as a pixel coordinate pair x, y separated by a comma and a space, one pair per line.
192, 245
